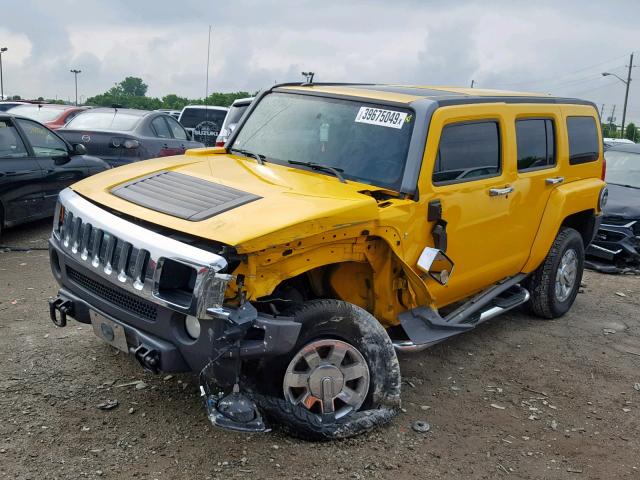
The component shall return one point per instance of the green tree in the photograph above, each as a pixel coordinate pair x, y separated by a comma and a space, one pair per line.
631, 132
134, 86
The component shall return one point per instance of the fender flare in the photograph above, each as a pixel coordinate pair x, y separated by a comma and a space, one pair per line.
565, 200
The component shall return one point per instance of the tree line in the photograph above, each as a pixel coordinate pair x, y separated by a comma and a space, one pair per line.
132, 91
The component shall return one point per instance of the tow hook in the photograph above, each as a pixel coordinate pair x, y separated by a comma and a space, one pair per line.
59, 308
149, 358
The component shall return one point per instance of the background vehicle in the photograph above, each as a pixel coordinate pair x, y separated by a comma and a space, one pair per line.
6, 105
616, 246
121, 136
236, 111
35, 164
174, 113
203, 122
324, 237
52, 115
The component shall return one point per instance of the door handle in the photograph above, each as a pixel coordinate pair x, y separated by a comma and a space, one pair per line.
554, 180
495, 192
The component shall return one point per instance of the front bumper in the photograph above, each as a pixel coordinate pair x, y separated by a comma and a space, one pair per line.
616, 246
121, 271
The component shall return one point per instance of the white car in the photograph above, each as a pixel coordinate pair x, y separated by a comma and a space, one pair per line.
204, 122
238, 107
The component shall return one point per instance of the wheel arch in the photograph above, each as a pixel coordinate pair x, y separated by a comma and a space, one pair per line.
573, 205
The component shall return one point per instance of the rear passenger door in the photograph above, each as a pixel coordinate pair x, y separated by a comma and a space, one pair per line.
168, 145
20, 176
179, 134
536, 165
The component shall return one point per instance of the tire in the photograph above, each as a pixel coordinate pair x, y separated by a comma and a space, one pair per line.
340, 323
546, 302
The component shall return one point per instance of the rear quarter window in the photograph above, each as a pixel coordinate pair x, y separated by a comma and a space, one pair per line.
583, 140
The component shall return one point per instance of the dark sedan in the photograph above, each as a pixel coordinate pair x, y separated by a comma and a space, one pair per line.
616, 247
120, 136
35, 164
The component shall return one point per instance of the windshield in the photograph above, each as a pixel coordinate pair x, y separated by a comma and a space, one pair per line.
191, 117
41, 114
368, 142
104, 121
623, 168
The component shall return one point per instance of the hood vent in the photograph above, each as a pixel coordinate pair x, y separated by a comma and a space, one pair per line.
182, 196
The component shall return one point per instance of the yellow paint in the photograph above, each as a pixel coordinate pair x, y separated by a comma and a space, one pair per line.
366, 251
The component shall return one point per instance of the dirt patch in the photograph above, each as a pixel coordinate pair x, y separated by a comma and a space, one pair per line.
516, 398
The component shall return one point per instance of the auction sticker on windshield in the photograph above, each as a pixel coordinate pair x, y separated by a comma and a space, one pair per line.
378, 116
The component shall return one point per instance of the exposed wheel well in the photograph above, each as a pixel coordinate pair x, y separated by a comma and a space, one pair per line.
584, 222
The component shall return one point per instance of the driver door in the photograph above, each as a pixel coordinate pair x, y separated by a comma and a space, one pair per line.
59, 168
467, 170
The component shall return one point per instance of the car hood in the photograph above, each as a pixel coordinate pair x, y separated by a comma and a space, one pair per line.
623, 202
291, 204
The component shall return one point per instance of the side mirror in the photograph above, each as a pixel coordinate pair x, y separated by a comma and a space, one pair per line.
79, 149
436, 263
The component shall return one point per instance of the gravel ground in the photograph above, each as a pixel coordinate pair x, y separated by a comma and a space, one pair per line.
516, 398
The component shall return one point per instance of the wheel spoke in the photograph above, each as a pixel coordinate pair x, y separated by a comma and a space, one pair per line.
352, 372
337, 355
312, 358
349, 396
298, 380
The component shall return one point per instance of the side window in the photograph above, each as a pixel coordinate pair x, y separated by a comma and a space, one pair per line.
466, 152
43, 141
177, 129
160, 128
11, 145
583, 140
536, 144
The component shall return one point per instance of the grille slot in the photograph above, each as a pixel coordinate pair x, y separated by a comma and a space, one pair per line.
182, 196
117, 296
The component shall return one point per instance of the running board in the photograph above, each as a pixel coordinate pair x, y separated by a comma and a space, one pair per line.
425, 327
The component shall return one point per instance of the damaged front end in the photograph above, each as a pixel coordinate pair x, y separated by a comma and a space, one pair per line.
615, 247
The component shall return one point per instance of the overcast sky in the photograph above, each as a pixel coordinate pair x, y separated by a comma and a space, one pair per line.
560, 47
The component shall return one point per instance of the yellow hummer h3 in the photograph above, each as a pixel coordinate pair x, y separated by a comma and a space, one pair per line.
339, 224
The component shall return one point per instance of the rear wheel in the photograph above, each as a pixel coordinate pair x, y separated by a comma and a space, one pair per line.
341, 379
555, 284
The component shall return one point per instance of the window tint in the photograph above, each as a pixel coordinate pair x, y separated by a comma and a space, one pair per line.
536, 143
176, 129
160, 128
11, 146
467, 151
43, 141
583, 140
191, 117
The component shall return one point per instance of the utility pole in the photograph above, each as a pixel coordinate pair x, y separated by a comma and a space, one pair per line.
2, 50
75, 74
611, 119
626, 96
601, 111
472, 83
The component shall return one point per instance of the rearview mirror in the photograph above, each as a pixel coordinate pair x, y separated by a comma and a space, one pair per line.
436, 263
79, 149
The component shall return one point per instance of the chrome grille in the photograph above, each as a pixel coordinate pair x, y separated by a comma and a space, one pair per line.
105, 251
132, 257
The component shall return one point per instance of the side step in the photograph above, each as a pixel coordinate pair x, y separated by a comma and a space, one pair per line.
425, 326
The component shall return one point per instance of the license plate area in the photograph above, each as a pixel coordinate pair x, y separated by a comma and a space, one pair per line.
109, 331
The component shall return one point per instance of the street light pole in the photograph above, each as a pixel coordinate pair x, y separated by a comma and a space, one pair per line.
75, 74
627, 82
2, 50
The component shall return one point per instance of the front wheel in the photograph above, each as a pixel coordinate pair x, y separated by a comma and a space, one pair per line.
555, 284
341, 379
